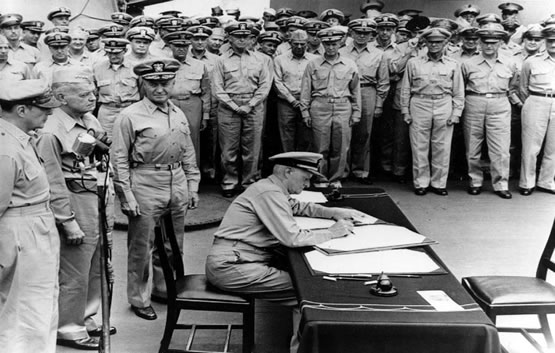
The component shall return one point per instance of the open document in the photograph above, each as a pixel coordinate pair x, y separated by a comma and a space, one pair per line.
323, 223
310, 196
375, 237
398, 261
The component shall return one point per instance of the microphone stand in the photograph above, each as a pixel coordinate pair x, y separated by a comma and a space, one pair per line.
105, 256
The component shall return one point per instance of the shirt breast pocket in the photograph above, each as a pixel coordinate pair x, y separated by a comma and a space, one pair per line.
319, 80
369, 69
231, 72
31, 172
104, 86
543, 75
194, 79
446, 78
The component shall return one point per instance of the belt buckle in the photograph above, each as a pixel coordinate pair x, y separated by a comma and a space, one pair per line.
489, 95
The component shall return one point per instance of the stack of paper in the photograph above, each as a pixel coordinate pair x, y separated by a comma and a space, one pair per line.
400, 261
310, 196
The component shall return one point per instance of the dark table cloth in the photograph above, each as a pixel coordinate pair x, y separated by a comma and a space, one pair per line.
343, 316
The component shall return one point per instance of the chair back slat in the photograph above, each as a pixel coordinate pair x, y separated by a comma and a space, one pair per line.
546, 263
171, 269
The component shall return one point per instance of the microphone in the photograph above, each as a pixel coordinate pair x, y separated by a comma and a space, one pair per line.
91, 142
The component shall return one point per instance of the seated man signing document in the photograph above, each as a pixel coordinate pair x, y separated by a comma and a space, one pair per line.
243, 258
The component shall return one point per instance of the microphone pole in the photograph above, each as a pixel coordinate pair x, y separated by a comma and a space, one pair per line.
105, 286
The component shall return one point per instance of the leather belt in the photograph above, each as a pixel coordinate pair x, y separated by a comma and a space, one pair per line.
487, 95
158, 166
334, 100
368, 84
28, 209
241, 95
184, 97
431, 96
540, 94
118, 105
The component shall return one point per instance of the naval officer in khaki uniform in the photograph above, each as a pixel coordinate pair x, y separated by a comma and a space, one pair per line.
155, 171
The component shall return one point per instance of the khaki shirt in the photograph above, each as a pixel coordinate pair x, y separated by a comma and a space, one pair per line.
15, 71
25, 53
372, 68
146, 134
482, 77
206, 57
428, 77
44, 69
24, 181
192, 79
537, 75
262, 216
241, 74
288, 72
116, 85
339, 79
463, 55
55, 146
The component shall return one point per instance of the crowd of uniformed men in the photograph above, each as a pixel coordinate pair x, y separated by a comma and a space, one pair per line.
176, 97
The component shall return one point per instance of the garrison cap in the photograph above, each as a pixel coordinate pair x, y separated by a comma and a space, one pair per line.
145, 33
159, 69
57, 38
548, 21
307, 161
365, 25
33, 26
510, 7
58, 12
295, 21
10, 19
179, 37
299, 34
409, 12
142, 21
269, 11
121, 18
233, 11
239, 28
491, 31
285, 12
386, 20
314, 26
93, 34
331, 34
371, 5
307, 14
473, 9
533, 31
173, 13
72, 74
446, 23
216, 11
271, 26
488, 18
418, 23
271, 36
115, 45
200, 31
436, 33
209, 21
469, 32
34, 92
549, 32
113, 30
332, 13
57, 29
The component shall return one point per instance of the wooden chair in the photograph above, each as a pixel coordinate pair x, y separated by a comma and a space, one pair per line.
193, 292
516, 295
